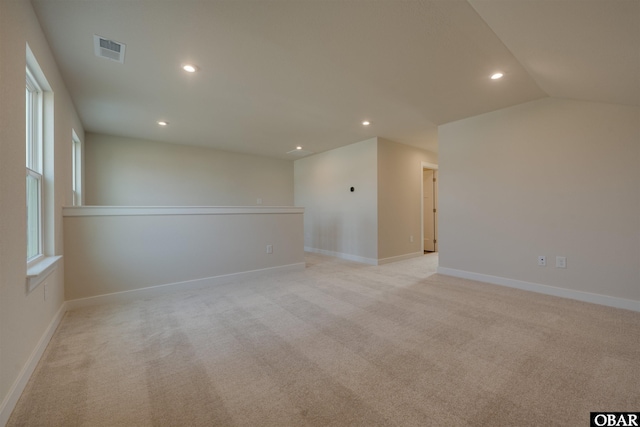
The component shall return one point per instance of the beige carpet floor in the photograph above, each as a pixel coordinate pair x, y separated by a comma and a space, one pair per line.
339, 344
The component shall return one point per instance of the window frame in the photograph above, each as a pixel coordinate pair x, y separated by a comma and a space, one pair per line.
40, 160
76, 169
34, 140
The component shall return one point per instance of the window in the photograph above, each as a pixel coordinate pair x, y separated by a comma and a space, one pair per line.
76, 165
39, 161
34, 121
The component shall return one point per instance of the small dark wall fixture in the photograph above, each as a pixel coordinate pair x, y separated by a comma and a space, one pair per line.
353, 189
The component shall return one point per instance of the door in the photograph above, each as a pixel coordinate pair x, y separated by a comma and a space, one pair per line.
428, 196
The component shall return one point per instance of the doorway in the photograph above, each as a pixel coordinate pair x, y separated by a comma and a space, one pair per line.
429, 207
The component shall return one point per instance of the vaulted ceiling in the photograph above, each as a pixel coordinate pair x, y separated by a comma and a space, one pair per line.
276, 74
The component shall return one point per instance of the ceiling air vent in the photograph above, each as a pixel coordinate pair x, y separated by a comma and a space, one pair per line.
299, 153
109, 49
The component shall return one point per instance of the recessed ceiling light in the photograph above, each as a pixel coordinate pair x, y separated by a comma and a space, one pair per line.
162, 123
299, 147
190, 68
496, 76
366, 123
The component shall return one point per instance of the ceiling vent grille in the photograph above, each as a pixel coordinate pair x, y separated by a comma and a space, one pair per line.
108, 49
299, 153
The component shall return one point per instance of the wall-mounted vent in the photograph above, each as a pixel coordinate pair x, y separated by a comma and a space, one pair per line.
109, 49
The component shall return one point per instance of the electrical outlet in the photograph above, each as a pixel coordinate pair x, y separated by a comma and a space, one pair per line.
561, 262
258, 201
542, 261
269, 249
44, 290
411, 239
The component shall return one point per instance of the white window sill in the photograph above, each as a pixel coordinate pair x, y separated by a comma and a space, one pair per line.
40, 270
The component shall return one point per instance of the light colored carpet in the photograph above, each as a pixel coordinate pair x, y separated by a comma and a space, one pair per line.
339, 344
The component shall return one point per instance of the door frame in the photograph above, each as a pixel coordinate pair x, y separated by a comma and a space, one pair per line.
424, 165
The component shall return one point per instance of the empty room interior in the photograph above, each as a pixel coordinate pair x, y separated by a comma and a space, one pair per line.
292, 213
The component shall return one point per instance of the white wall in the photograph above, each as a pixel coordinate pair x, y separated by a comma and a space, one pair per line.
400, 199
26, 320
338, 221
132, 172
111, 250
551, 177
374, 223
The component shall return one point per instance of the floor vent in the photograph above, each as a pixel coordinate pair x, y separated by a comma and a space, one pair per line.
108, 49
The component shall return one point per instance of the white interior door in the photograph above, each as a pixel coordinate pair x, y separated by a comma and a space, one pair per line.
429, 210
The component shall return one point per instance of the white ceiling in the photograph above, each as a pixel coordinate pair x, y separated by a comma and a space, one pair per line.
275, 74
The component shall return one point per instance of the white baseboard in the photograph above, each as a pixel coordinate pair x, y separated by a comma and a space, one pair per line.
356, 258
348, 257
18, 386
626, 304
170, 287
399, 257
